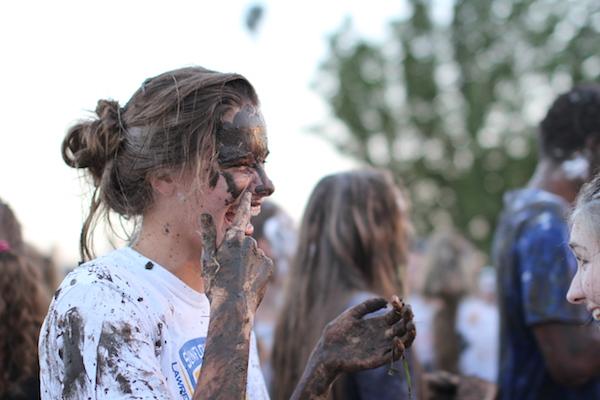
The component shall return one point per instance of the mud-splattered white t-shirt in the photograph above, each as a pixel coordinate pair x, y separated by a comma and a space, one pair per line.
122, 326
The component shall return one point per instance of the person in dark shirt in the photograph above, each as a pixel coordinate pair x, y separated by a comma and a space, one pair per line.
546, 351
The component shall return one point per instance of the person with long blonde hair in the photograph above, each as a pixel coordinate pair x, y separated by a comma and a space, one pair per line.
352, 245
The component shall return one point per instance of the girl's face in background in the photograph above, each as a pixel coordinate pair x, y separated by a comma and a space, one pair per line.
585, 286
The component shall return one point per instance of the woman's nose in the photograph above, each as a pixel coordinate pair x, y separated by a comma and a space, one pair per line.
575, 294
264, 185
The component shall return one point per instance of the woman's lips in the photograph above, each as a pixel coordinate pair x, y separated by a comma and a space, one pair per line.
230, 216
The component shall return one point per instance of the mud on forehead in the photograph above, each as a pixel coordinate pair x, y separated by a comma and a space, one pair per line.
245, 136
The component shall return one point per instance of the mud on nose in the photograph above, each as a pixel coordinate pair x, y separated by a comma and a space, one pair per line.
265, 187
264, 190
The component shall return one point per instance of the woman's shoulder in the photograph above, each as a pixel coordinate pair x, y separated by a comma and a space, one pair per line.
107, 278
103, 290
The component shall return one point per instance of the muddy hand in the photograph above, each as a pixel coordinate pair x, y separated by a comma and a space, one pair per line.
237, 268
352, 343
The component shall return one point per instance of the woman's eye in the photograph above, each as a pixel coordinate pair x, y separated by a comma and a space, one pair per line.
245, 169
582, 263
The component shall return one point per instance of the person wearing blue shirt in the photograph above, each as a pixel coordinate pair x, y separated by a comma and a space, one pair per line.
546, 349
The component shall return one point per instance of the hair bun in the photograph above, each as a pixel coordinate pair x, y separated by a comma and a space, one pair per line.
92, 144
109, 114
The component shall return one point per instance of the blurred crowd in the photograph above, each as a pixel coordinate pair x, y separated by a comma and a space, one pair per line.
493, 324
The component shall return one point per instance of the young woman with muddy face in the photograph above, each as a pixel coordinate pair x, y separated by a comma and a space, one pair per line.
170, 315
585, 244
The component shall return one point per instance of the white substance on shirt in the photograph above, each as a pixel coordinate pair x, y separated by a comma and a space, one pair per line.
122, 326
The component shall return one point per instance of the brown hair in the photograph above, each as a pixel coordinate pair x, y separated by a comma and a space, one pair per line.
353, 238
22, 309
10, 228
169, 122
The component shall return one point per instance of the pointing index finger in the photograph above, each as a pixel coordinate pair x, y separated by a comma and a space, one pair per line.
242, 215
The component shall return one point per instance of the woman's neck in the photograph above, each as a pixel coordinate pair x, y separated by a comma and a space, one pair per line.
167, 248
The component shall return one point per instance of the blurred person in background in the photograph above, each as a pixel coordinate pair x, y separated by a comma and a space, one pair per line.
450, 267
352, 245
459, 346
478, 322
24, 298
276, 235
23, 302
422, 307
546, 352
10, 231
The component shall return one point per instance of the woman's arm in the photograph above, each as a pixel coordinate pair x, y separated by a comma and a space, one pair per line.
235, 276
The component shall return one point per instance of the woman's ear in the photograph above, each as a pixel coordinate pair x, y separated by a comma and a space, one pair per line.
163, 183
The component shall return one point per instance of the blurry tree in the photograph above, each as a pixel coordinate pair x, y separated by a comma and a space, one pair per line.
450, 99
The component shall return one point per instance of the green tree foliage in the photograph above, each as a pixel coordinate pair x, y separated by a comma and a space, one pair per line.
450, 100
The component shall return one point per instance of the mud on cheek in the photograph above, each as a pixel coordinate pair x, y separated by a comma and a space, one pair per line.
233, 188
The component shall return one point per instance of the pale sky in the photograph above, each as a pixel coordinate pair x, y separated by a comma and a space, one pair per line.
60, 57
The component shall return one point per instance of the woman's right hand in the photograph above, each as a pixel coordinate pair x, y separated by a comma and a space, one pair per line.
235, 276
237, 268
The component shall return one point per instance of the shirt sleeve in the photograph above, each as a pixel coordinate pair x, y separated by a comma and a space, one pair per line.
97, 343
546, 269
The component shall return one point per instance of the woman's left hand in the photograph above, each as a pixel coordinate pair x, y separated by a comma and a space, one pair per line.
352, 342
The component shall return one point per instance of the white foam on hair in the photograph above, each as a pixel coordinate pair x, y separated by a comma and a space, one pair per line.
576, 168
